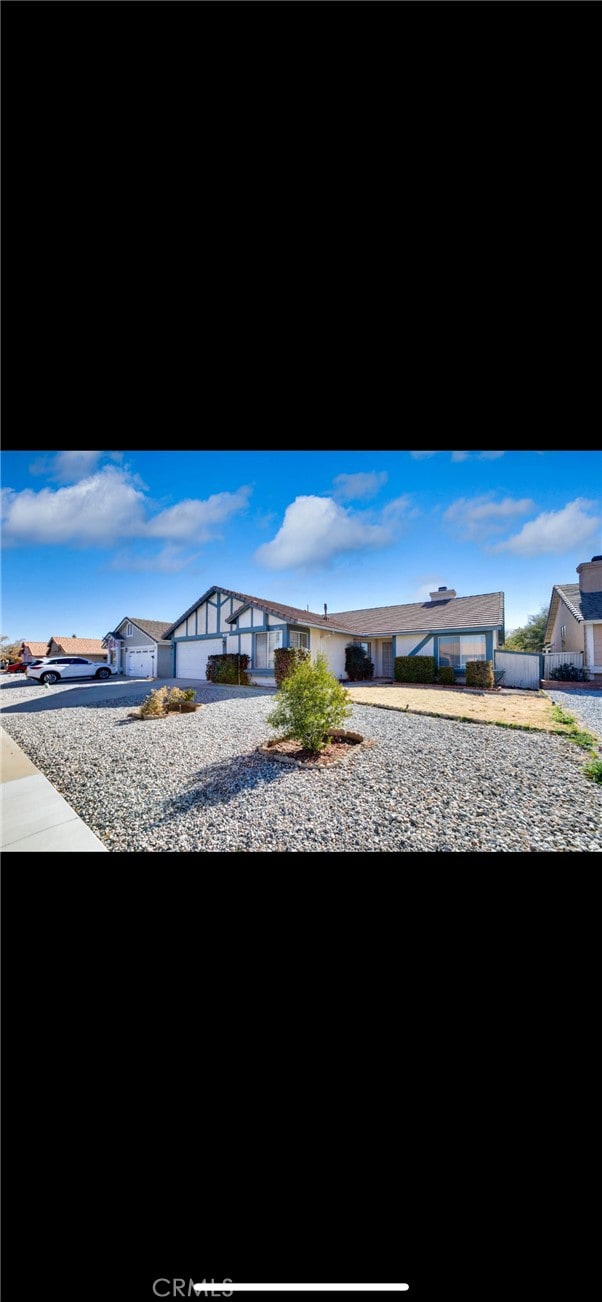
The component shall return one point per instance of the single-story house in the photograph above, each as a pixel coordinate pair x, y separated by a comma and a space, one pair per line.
89, 647
31, 651
575, 617
138, 648
452, 629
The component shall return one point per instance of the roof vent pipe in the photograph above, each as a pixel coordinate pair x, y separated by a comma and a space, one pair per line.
325, 611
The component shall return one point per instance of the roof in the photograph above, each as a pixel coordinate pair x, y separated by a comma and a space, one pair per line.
35, 648
583, 605
75, 646
154, 628
485, 611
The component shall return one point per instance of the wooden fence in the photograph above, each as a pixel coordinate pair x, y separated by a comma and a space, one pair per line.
527, 668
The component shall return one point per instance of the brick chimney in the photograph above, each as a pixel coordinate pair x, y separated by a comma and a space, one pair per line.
590, 575
442, 594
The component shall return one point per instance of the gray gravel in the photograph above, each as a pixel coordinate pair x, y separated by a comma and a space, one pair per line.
196, 782
586, 706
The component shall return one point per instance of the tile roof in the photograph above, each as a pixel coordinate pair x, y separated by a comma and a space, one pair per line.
571, 595
35, 648
591, 605
80, 646
484, 611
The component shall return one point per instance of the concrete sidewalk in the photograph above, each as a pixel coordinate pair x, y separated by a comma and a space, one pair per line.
33, 816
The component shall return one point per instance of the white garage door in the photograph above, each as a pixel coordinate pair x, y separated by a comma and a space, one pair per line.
191, 657
140, 663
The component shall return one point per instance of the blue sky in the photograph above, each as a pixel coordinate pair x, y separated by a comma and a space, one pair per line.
88, 537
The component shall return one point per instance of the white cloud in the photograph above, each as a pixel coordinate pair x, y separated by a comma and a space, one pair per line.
490, 456
474, 518
555, 531
106, 507
196, 520
460, 456
354, 488
315, 529
66, 467
170, 560
419, 455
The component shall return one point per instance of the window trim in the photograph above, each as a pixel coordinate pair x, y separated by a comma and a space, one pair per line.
128, 630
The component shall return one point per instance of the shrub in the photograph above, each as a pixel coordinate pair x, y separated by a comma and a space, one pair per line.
286, 659
155, 705
479, 673
228, 668
593, 770
568, 673
310, 703
358, 664
447, 675
178, 696
414, 669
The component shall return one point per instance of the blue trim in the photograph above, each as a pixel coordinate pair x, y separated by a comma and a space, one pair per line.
419, 645
198, 637
196, 620
206, 616
489, 645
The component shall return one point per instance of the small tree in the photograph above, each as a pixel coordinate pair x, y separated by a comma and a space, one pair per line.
531, 636
358, 664
286, 658
310, 703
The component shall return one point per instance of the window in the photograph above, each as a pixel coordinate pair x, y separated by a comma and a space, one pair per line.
298, 639
366, 647
265, 645
457, 650
128, 630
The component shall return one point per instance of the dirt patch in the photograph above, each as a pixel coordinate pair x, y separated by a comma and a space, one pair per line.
342, 745
514, 709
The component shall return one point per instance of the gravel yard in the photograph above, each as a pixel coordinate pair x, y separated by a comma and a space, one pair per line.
195, 782
586, 707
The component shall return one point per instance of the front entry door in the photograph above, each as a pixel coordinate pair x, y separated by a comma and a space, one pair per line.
387, 659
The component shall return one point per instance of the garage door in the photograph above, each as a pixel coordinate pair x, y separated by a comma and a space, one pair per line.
191, 657
140, 663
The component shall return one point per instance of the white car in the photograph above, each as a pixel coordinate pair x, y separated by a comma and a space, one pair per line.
54, 668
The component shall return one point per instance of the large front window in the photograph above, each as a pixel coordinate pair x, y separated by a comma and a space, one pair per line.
265, 645
455, 651
299, 639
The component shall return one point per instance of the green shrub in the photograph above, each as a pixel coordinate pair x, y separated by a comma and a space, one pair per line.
155, 705
309, 704
414, 669
593, 770
447, 675
176, 696
228, 668
566, 673
286, 659
358, 664
479, 673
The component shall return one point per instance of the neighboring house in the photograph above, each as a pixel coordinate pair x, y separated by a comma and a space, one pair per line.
31, 651
138, 648
453, 629
89, 647
575, 617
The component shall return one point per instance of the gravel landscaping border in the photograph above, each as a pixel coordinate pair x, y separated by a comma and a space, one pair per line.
430, 785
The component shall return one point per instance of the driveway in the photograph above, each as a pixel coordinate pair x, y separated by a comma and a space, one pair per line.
197, 783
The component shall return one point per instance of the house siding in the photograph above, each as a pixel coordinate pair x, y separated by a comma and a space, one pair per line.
574, 630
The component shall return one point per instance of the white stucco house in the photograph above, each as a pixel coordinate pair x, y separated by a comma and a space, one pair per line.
575, 617
452, 629
139, 648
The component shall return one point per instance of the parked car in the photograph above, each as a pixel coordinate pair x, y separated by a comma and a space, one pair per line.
16, 668
52, 669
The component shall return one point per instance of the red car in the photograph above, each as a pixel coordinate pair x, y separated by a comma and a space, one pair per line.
18, 667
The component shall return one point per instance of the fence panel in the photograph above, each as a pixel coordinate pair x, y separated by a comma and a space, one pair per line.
554, 658
521, 668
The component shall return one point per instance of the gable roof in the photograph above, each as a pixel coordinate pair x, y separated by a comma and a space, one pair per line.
154, 628
583, 605
485, 611
35, 648
79, 646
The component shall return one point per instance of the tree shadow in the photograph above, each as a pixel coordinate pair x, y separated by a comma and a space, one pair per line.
221, 782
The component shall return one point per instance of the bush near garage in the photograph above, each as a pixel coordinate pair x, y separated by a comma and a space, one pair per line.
228, 668
286, 659
479, 673
414, 669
